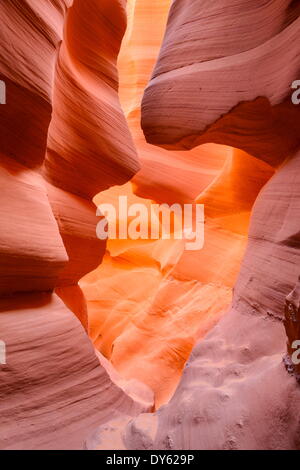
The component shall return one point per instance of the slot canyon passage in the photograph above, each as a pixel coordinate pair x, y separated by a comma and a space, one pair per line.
144, 344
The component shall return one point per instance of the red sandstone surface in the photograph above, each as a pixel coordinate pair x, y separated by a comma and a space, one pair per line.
194, 106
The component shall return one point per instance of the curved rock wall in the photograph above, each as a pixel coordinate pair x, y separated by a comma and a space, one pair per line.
147, 329
239, 83
223, 76
58, 61
234, 88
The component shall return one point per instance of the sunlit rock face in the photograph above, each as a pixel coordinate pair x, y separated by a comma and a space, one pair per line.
58, 62
91, 353
172, 177
224, 75
149, 302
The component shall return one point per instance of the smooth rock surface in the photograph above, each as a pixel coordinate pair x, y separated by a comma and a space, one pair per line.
53, 390
235, 392
233, 88
57, 61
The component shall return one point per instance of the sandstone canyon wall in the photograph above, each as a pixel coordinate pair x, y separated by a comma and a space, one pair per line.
148, 329
224, 75
63, 139
201, 333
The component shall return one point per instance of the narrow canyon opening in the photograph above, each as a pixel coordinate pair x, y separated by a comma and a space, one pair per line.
141, 343
150, 301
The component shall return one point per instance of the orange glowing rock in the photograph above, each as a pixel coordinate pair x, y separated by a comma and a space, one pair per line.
224, 75
131, 322
215, 79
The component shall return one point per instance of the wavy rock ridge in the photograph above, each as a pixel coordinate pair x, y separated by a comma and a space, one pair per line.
148, 329
223, 77
234, 88
63, 139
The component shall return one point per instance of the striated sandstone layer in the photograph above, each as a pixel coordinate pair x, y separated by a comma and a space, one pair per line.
172, 177
58, 65
31, 249
141, 316
53, 390
148, 329
89, 144
223, 77
292, 328
233, 88
29, 75
238, 83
